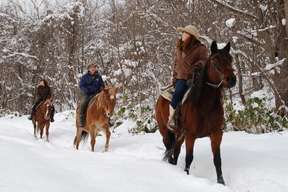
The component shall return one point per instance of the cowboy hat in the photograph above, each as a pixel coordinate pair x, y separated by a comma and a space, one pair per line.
190, 29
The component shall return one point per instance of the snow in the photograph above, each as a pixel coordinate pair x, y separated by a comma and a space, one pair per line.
250, 162
230, 22
268, 67
263, 7
267, 94
283, 22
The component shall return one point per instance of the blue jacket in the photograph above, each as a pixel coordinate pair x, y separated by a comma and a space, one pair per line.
91, 84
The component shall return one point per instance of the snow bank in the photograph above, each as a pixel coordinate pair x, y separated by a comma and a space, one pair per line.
134, 163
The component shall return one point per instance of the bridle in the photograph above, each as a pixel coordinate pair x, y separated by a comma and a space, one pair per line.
216, 85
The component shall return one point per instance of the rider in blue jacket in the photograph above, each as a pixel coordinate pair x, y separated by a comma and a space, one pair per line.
90, 84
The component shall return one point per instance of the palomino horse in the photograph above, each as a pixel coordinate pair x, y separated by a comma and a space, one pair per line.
203, 116
98, 113
41, 119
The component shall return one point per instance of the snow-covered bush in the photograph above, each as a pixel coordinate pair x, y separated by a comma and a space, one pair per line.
143, 116
255, 117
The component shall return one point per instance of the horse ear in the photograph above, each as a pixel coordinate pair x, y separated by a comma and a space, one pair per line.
227, 47
214, 47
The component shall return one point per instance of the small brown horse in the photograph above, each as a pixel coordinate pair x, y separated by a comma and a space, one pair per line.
98, 113
203, 116
41, 119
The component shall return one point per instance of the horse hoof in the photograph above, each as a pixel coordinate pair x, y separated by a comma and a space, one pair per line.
220, 180
187, 171
172, 161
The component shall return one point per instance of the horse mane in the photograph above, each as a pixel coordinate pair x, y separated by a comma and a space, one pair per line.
198, 83
99, 100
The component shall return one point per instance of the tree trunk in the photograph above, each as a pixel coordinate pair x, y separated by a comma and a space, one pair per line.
240, 79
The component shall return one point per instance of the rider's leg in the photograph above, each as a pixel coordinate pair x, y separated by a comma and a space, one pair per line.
180, 90
83, 106
38, 101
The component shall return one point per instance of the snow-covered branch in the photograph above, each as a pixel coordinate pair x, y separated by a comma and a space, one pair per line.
234, 9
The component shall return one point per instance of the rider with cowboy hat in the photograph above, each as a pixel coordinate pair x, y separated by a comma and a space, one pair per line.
190, 54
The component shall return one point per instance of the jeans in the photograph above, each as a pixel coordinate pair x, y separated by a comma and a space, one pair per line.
85, 99
180, 90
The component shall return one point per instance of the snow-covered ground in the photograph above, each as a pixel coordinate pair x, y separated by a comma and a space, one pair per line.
254, 163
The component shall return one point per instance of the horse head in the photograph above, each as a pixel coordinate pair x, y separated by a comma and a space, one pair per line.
220, 70
48, 108
110, 98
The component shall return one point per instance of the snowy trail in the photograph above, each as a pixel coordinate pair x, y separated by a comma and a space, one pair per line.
250, 162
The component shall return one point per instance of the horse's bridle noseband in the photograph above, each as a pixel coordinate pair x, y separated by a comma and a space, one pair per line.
216, 85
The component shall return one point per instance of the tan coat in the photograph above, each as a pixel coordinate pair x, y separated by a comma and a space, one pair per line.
187, 59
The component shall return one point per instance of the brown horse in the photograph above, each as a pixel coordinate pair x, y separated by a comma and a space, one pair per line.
98, 113
200, 116
41, 119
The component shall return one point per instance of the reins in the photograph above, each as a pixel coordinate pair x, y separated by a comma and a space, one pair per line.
216, 85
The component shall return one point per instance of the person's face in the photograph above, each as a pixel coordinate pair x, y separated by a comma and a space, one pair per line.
185, 36
92, 70
42, 83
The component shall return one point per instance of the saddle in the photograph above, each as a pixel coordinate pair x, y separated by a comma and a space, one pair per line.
194, 85
40, 103
167, 93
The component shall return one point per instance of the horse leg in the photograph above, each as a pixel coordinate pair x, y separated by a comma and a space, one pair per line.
41, 130
108, 135
190, 140
47, 131
176, 151
77, 138
93, 137
169, 140
35, 129
216, 139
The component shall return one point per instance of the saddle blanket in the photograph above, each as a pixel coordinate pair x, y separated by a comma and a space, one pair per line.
168, 94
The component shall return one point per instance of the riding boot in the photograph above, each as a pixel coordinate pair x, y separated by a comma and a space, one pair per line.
171, 121
52, 114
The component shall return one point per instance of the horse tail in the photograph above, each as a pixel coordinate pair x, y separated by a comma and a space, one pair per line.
83, 137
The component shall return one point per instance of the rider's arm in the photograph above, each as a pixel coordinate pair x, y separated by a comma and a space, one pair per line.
83, 85
202, 57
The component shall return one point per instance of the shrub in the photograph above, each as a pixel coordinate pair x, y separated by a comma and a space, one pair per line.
256, 117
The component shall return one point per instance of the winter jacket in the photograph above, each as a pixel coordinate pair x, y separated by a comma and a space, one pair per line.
187, 59
91, 84
43, 92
